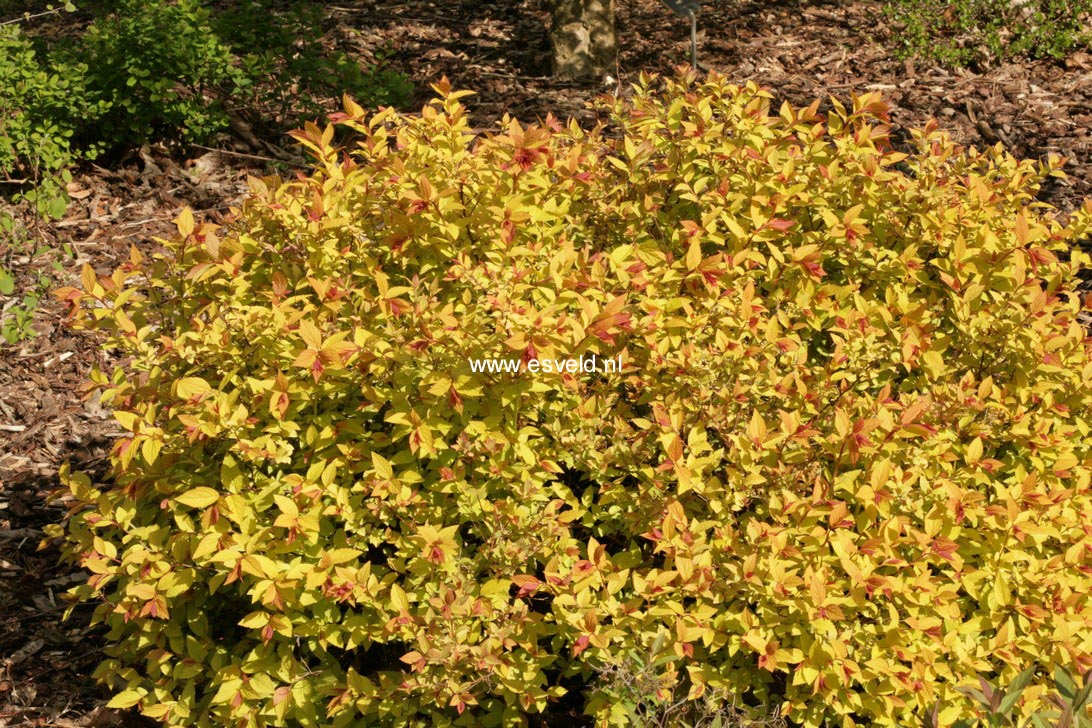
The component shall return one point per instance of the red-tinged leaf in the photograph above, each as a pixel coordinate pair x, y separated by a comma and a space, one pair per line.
280, 404
1033, 612
527, 584
581, 644
945, 548
279, 284
779, 224
337, 352
814, 269
281, 694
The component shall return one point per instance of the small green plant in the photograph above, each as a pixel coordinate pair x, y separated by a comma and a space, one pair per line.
15, 323
18, 252
997, 706
962, 32
287, 70
42, 104
1069, 705
163, 70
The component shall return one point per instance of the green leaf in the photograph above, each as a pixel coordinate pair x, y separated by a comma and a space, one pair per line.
1064, 681
1080, 700
976, 694
56, 207
1015, 690
7, 283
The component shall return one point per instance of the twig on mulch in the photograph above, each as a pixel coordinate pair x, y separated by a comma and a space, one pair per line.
16, 534
256, 157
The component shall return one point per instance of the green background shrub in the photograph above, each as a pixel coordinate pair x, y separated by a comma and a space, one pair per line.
845, 470
960, 32
161, 69
166, 70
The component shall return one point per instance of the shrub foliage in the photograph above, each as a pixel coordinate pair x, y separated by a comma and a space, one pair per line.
844, 470
166, 70
963, 32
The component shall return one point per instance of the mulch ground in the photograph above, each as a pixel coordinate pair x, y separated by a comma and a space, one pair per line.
500, 50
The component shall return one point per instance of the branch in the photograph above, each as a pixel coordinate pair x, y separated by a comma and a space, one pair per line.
28, 16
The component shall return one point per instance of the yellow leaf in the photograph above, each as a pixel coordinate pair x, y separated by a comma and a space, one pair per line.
184, 222
128, 420
756, 642
934, 362
382, 466
126, 699
287, 505
398, 598
189, 388
311, 335
974, 451
150, 449
201, 497
842, 423
1002, 595
254, 620
756, 430
208, 544
88, 278
693, 254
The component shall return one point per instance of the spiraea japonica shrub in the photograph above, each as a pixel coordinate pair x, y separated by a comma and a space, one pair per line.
844, 470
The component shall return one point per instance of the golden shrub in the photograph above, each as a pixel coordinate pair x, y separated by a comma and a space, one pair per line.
845, 466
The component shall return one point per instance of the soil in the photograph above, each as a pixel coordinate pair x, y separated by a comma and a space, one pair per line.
500, 50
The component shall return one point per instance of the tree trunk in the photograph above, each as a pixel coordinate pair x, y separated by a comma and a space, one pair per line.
584, 44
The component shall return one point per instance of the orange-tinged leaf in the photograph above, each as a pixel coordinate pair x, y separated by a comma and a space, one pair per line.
527, 584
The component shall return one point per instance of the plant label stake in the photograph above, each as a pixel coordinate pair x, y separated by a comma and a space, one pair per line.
688, 9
